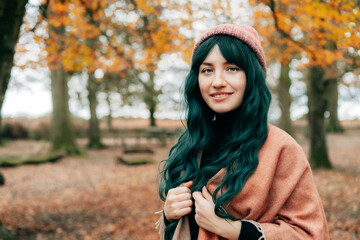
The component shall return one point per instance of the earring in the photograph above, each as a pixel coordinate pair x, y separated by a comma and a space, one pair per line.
214, 118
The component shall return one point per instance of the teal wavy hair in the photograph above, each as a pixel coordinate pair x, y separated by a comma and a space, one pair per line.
238, 152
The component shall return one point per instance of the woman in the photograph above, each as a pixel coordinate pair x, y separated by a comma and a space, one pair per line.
232, 175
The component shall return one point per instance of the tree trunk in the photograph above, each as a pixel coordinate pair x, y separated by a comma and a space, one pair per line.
11, 18
109, 117
285, 99
317, 106
94, 129
331, 90
152, 117
62, 133
151, 98
2, 181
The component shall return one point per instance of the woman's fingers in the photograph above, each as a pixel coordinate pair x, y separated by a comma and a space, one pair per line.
183, 188
206, 193
187, 184
183, 197
181, 212
184, 204
178, 202
198, 196
177, 209
203, 201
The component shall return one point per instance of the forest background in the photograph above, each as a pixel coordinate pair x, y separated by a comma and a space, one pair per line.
129, 58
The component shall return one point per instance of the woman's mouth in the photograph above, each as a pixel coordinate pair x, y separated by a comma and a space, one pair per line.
220, 96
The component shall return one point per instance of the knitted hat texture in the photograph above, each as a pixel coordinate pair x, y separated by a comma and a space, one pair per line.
246, 34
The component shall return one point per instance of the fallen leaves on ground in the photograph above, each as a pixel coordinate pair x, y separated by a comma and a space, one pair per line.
93, 197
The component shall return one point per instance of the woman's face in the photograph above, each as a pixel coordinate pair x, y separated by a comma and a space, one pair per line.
222, 84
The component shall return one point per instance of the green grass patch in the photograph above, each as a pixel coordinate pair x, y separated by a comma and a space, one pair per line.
13, 161
5, 234
134, 161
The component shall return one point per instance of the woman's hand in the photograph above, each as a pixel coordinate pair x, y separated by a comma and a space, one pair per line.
206, 218
178, 202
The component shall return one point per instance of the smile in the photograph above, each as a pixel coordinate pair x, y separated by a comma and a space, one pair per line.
221, 96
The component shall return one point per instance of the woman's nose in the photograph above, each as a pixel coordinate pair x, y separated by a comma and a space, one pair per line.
219, 80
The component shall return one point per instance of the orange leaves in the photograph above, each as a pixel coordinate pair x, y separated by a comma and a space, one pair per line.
66, 199
94, 39
74, 22
94, 5
58, 6
57, 13
322, 29
154, 34
186, 55
90, 34
145, 7
141, 28
90, 31
58, 22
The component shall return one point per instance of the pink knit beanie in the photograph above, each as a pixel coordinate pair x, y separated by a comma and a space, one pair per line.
245, 33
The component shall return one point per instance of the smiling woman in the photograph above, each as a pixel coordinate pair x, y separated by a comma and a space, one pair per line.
222, 84
232, 174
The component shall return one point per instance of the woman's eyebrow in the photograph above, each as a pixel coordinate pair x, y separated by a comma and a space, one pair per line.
210, 64
206, 63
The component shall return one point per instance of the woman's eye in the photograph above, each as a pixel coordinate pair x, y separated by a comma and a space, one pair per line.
233, 69
206, 70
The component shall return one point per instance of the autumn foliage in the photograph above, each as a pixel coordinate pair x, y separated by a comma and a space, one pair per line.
110, 35
322, 30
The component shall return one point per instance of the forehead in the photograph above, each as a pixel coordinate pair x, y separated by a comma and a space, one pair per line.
214, 55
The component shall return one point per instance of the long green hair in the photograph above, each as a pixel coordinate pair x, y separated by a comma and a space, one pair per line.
238, 152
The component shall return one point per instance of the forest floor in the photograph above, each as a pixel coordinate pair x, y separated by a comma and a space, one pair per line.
94, 197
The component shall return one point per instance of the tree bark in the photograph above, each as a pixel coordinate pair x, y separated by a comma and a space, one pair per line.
150, 98
62, 133
317, 106
285, 99
109, 117
2, 180
331, 90
152, 117
94, 129
11, 18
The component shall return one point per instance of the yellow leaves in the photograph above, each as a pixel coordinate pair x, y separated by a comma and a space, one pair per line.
90, 31
103, 4
94, 5
143, 5
68, 48
216, 6
187, 53
54, 62
58, 6
327, 58
324, 30
152, 36
38, 39
119, 48
78, 11
90, 38
60, 21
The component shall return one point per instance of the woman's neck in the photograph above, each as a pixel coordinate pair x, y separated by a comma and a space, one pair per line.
222, 126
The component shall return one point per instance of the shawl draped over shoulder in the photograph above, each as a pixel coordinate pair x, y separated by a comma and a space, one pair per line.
280, 195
